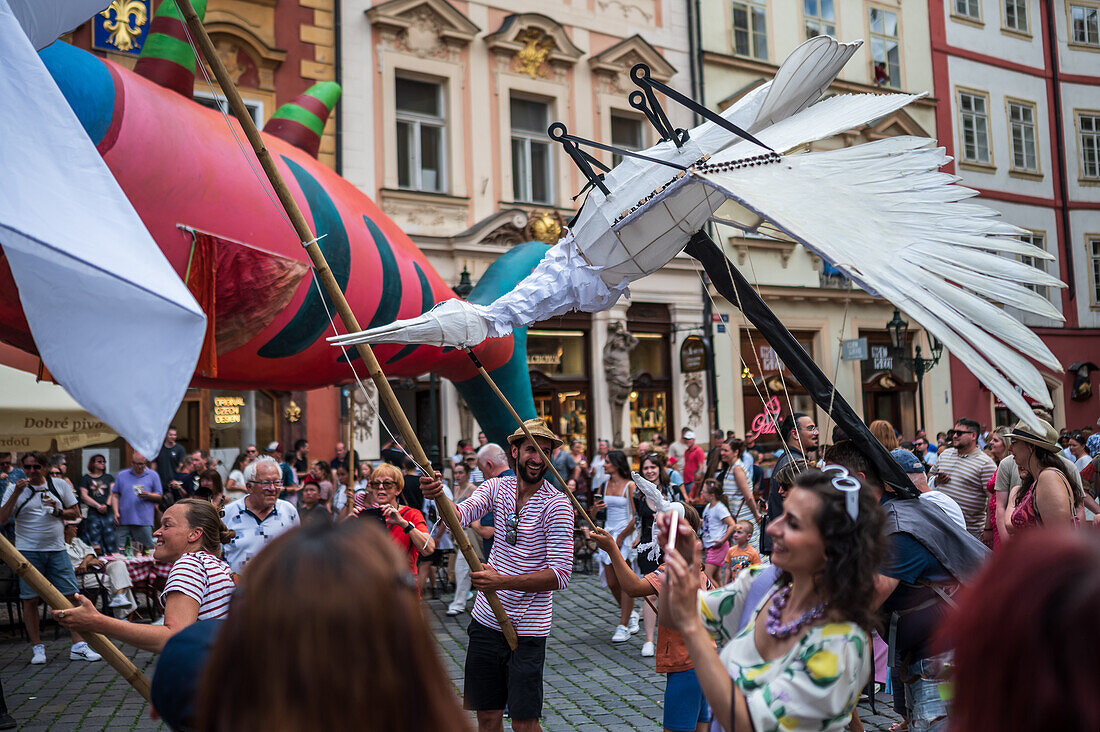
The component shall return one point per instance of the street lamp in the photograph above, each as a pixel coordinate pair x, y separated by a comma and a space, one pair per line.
899, 339
464, 286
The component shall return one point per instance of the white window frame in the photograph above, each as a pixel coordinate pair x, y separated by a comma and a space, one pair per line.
417, 121
1088, 144
1091, 38
894, 82
1022, 127
750, 7
823, 25
1023, 22
970, 10
1093, 249
522, 190
973, 118
255, 107
1038, 238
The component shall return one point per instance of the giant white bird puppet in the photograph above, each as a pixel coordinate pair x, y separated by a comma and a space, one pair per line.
879, 212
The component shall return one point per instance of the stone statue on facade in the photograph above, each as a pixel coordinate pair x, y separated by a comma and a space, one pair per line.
616, 366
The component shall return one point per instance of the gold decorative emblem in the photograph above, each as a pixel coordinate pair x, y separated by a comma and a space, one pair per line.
545, 226
536, 48
125, 27
293, 412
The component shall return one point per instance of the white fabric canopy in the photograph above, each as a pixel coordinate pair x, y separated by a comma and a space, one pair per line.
34, 413
111, 319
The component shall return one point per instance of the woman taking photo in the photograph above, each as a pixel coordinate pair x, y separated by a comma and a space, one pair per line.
406, 525
1047, 495
738, 489
802, 660
98, 528
210, 488
617, 496
199, 584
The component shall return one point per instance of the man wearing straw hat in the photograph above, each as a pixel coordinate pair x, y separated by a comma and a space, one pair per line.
532, 556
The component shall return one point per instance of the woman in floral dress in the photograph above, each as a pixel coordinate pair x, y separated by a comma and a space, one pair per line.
802, 660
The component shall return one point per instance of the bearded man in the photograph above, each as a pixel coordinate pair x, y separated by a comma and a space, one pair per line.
532, 556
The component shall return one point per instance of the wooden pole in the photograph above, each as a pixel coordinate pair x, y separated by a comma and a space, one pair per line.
99, 643
351, 324
504, 400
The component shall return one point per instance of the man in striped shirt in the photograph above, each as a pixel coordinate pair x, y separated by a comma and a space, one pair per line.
531, 557
963, 471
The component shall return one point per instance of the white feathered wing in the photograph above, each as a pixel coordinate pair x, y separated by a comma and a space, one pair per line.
884, 215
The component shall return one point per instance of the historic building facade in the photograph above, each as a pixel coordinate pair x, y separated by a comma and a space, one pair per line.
1020, 112
446, 107
742, 44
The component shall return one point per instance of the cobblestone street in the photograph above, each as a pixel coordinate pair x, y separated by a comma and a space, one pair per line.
591, 684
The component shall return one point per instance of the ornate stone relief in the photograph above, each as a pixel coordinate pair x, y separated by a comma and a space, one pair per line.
694, 401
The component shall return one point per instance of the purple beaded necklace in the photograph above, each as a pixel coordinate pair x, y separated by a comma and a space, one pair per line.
777, 629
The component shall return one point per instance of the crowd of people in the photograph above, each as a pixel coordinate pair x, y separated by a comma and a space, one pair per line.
770, 572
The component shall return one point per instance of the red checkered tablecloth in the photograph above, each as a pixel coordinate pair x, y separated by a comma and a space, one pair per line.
142, 568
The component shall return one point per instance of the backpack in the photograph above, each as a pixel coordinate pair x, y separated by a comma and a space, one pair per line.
50, 487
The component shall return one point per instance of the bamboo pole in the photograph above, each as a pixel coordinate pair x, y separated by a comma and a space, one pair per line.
504, 400
99, 643
351, 324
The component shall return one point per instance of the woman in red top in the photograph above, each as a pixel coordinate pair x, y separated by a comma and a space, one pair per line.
1047, 496
406, 525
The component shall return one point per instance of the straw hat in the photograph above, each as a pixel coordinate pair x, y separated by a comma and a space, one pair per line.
1048, 440
537, 428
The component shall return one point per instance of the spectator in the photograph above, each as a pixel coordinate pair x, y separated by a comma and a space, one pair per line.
998, 449
135, 496
806, 667
322, 475
923, 452
884, 432
90, 570
738, 489
98, 528
649, 553
60, 463
718, 526
39, 505
929, 556
617, 498
406, 525
714, 464
533, 558
167, 462
914, 468
482, 440
343, 488
463, 489
596, 473
492, 462
279, 671
742, 554
1090, 476
1057, 573
310, 506
800, 438
962, 472
426, 564
460, 450
1080, 454
210, 488
410, 494
692, 460
341, 458
1048, 495
473, 464
234, 485
199, 585
200, 461
260, 516
580, 473
565, 464
301, 458
9, 473
274, 450
188, 476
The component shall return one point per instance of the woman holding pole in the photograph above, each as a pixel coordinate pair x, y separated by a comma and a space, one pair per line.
199, 584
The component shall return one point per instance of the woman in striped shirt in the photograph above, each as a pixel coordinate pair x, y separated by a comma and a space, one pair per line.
199, 584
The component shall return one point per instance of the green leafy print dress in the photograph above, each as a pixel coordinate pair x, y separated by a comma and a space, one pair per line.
814, 686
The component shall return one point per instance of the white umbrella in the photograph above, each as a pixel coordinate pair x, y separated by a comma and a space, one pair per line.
34, 413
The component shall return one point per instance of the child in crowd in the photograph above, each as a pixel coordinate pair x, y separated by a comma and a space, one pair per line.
686, 710
742, 554
717, 528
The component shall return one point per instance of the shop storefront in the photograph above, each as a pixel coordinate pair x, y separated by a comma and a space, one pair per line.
889, 391
560, 368
650, 370
224, 421
767, 385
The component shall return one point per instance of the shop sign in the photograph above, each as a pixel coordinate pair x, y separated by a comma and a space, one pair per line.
693, 355
542, 360
881, 358
769, 359
764, 423
853, 349
227, 410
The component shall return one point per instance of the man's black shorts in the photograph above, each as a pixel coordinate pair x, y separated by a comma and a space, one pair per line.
496, 675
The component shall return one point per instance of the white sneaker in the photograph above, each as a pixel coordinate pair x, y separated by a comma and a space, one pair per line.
633, 627
648, 649
119, 600
452, 611
38, 655
622, 633
83, 652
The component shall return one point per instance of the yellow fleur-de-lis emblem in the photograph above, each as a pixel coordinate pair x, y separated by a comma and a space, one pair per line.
125, 25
